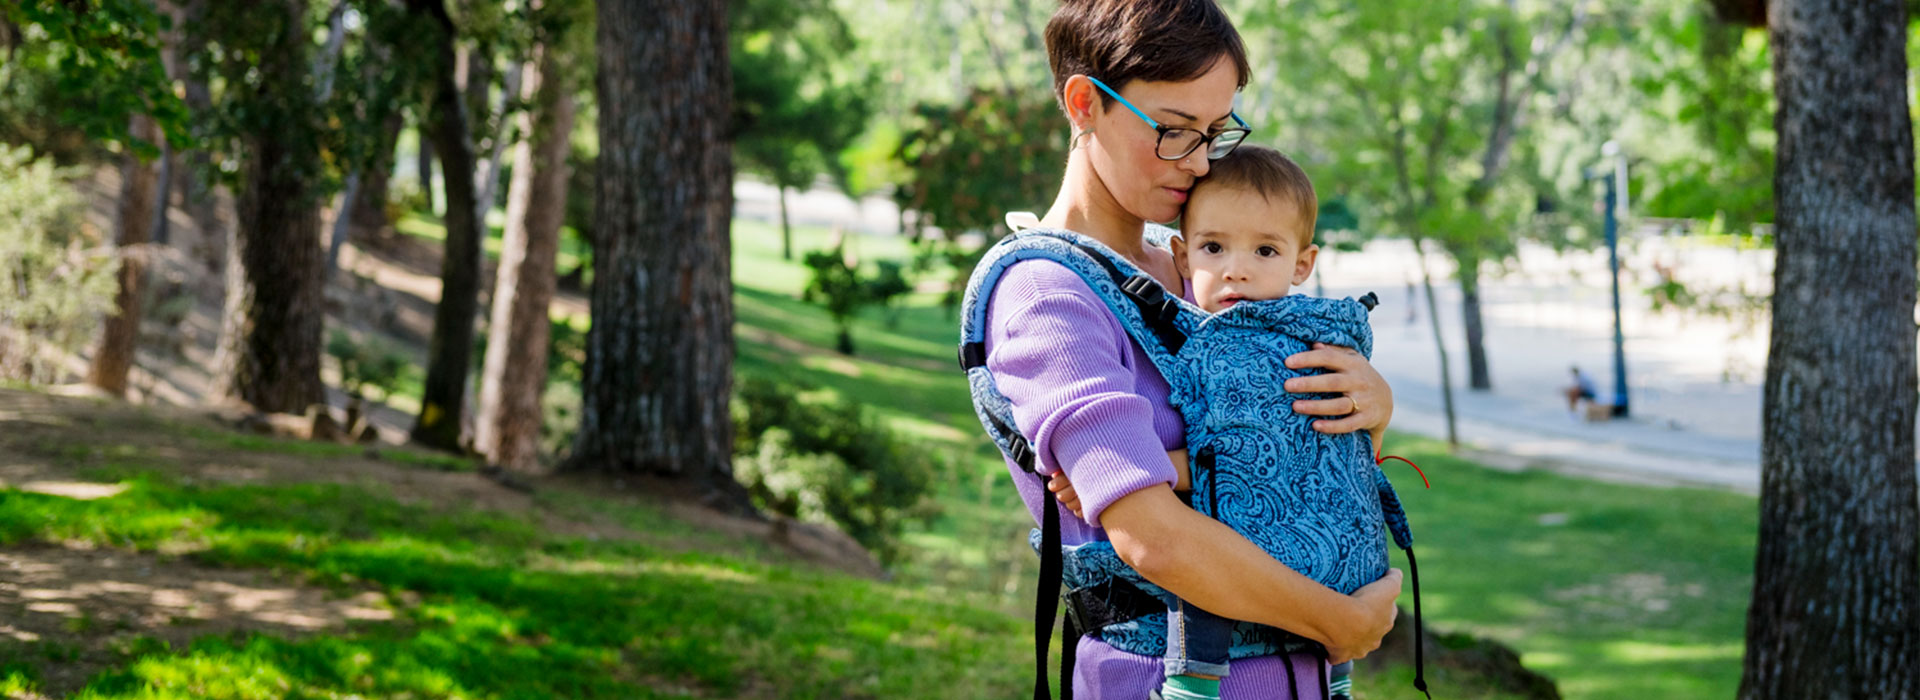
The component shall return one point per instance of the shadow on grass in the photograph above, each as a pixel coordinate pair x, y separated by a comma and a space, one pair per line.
508, 611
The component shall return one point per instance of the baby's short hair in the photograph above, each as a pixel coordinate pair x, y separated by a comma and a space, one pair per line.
1270, 173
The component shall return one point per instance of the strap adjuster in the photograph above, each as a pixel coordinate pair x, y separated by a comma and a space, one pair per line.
1022, 453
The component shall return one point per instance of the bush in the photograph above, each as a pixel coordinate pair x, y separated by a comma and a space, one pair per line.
828, 461
55, 280
370, 364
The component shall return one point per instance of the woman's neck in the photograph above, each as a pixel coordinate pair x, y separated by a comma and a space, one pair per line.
1086, 206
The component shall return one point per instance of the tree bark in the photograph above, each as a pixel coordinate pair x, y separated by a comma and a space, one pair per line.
424, 159
786, 229
1478, 378
660, 354
270, 344
450, 352
514, 373
139, 180
1833, 612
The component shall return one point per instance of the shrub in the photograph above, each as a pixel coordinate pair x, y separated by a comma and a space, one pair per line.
55, 280
815, 460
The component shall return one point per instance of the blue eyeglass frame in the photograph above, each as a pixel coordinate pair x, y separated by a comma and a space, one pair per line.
1205, 139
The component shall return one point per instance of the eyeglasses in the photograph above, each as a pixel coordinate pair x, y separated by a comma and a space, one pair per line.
1175, 142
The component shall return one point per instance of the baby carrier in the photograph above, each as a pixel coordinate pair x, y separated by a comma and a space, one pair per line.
1318, 503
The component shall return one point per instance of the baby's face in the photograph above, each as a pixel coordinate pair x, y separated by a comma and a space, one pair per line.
1236, 246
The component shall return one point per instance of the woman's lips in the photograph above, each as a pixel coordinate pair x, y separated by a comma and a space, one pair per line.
1179, 195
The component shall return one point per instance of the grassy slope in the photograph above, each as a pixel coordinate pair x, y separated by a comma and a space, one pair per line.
1618, 592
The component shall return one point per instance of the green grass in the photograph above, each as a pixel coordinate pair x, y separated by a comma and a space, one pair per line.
510, 611
428, 228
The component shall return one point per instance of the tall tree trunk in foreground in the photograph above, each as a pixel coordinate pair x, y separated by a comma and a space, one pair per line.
660, 355
270, 344
1833, 612
450, 353
514, 374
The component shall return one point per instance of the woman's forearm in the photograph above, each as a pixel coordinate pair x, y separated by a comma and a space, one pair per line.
1213, 567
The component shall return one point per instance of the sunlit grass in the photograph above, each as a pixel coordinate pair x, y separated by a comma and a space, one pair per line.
508, 610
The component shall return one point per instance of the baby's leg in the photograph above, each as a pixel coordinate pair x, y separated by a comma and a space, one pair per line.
1197, 645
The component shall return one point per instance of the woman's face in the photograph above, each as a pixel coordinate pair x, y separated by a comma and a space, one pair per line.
1123, 144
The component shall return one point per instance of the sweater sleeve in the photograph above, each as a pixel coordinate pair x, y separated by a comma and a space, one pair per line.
1063, 361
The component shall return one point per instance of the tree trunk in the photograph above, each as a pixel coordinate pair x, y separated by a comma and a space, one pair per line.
424, 159
786, 230
1833, 611
514, 374
450, 352
1478, 378
660, 354
193, 176
1439, 341
270, 344
363, 205
114, 358
489, 170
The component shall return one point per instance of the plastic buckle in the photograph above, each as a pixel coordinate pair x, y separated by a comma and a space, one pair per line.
1022, 453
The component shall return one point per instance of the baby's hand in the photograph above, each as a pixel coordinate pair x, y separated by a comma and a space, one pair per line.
1063, 491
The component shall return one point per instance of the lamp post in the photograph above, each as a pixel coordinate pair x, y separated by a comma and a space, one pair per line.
1616, 203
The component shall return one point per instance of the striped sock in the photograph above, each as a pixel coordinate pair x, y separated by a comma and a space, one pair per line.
1341, 687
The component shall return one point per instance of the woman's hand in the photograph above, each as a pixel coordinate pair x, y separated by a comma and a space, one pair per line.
1366, 403
1375, 612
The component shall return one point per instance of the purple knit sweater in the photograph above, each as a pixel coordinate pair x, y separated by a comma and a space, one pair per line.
1090, 398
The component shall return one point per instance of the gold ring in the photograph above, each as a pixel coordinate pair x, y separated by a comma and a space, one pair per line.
1356, 405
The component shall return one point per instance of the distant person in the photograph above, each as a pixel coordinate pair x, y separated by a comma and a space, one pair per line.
1413, 299
1580, 390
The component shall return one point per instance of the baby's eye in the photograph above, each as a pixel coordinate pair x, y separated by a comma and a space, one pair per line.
1267, 251
1210, 248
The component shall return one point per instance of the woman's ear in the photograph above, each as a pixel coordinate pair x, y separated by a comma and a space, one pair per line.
1078, 96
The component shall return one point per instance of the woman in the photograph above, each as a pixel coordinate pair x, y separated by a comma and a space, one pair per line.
1089, 398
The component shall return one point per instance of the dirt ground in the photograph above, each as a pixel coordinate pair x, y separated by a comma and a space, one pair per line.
83, 602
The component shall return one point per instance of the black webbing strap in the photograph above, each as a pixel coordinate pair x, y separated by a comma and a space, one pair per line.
972, 355
1046, 602
1109, 603
1419, 630
1156, 307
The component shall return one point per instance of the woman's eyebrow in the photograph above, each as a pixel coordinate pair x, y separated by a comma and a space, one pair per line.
1190, 118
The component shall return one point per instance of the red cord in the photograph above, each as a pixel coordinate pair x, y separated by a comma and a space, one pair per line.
1416, 467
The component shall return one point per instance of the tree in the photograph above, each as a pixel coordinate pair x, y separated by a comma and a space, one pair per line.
972, 162
791, 116
113, 359
271, 341
514, 372
1833, 613
450, 352
660, 353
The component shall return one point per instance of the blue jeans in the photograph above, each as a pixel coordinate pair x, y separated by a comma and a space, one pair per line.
1197, 641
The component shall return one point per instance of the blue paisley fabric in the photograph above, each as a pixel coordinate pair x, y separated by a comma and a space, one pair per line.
1316, 502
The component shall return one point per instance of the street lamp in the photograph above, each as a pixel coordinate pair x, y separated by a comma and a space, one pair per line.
1616, 205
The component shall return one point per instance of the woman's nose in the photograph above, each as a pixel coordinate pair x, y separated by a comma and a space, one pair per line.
1196, 163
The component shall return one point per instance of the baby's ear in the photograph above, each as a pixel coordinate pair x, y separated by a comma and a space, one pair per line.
1303, 265
1179, 245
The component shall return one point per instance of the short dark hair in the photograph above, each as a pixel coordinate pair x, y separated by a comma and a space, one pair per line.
1120, 41
1272, 174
